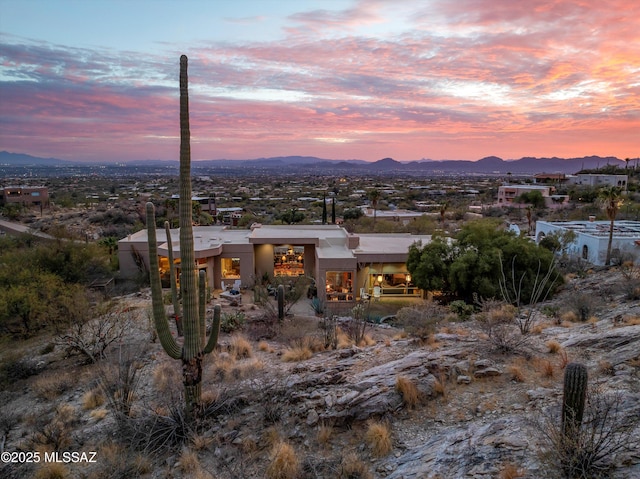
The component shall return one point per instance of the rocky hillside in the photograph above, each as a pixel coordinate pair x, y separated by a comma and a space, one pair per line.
449, 405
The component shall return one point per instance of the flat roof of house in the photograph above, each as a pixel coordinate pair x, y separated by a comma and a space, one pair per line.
622, 228
330, 240
388, 243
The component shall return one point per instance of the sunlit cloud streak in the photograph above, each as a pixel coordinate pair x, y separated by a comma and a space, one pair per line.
440, 79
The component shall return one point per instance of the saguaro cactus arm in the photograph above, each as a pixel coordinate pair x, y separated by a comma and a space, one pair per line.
202, 307
215, 330
167, 340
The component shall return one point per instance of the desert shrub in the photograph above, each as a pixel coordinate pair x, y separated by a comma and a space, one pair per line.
421, 320
630, 283
232, 321
15, 368
583, 305
497, 320
53, 385
596, 446
329, 326
91, 337
57, 433
461, 309
119, 381
355, 327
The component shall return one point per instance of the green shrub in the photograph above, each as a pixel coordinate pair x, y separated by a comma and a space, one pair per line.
233, 321
461, 309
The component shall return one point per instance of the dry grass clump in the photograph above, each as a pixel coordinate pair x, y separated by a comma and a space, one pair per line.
400, 335
264, 347
439, 386
569, 316
547, 369
117, 461
52, 470
510, 471
378, 436
222, 366
240, 347
325, 433
554, 346
631, 320
517, 374
367, 340
408, 390
53, 385
99, 414
352, 467
166, 377
284, 462
343, 339
297, 353
189, 462
606, 368
92, 399
200, 442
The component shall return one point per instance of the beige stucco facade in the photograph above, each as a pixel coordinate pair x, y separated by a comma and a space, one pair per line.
343, 265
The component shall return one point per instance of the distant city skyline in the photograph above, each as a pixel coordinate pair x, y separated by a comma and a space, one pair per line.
339, 79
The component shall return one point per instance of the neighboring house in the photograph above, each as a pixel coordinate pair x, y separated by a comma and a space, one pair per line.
507, 194
547, 178
24, 195
345, 266
592, 238
589, 179
397, 215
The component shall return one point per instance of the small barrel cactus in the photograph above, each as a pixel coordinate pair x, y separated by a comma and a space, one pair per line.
574, 397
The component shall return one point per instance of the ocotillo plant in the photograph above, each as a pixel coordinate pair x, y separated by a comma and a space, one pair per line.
280, 302
177, 316
575, 393
193, 348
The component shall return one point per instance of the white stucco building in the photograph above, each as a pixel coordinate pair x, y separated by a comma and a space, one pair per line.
592, 238
592, 179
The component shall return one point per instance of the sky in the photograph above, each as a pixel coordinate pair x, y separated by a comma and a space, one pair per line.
97, 80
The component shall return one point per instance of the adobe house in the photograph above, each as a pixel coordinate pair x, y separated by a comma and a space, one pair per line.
345, 266
24, 195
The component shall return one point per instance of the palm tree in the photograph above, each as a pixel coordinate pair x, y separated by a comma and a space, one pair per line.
610, 198
374, 196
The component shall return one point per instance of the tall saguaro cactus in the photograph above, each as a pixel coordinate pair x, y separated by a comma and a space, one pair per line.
194, 346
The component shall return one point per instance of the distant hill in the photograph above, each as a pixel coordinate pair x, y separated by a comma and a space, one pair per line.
488, 165
20, 159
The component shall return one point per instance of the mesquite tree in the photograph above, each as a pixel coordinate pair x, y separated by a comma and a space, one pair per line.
194, 345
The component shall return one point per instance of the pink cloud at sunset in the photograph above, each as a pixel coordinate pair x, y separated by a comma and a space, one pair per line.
340, 79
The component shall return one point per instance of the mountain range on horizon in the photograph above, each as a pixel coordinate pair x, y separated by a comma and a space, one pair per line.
487, 165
